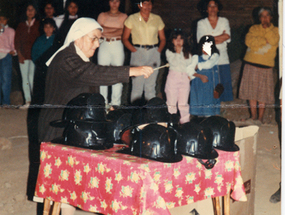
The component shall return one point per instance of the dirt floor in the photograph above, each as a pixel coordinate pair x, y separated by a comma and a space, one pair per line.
14, 163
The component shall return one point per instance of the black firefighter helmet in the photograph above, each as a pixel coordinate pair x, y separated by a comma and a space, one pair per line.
196, 141
154, 142
86, 134
120, 120
86, 106
154, 111
85, 124
223, 133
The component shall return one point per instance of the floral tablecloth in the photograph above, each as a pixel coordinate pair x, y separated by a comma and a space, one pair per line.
113, 183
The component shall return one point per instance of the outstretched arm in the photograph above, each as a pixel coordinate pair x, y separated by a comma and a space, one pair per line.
146, 71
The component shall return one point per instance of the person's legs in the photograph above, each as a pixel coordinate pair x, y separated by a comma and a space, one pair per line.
150, 83
261, 109
137, 59
6, 73
137, 88
104, 59
117, 59
104, 93
116, 94
183, 96
171, 92
25, 82
40, 208
149, 86
31, 74
253, 110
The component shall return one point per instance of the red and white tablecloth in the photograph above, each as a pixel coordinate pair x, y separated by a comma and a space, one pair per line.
113, 183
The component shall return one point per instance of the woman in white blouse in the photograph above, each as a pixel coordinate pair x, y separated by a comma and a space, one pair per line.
218, 27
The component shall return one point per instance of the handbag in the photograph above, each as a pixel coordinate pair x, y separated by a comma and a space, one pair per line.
219, 88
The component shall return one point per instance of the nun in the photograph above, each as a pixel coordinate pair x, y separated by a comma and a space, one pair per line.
71, 73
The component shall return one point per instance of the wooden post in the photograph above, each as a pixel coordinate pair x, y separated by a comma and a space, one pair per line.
216, 205
46, 207
227, 204
56, 208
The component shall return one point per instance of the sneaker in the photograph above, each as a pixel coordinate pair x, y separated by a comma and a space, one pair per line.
25, 106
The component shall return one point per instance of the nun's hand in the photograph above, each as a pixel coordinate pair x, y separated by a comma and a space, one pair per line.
146, 71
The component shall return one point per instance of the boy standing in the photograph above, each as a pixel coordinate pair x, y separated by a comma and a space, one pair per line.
7, 49
45, 41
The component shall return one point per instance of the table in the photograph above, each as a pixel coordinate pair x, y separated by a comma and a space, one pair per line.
113, 183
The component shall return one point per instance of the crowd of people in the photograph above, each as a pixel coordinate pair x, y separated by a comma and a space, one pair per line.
39, 36
54, 55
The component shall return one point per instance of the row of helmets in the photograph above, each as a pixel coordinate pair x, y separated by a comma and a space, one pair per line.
148, 130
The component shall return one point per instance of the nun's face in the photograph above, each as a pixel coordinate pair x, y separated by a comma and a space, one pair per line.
89, 43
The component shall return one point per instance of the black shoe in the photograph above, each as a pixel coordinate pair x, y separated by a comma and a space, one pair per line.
276, 196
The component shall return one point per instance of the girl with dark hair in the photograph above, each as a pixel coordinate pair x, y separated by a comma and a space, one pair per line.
202, 101
177, 87
48, 10
219, 28
71, 13
65, 21
26, 34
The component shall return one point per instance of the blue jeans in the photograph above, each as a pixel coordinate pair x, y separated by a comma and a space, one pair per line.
5, 79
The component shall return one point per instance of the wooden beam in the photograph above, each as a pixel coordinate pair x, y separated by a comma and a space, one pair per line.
46, 207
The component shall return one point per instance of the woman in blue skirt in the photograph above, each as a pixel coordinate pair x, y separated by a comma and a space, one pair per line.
219, 28
202, 101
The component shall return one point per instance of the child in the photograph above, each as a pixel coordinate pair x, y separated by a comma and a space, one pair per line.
45, 41
7, 49
177, 87
26, 34
202, 101
65, 21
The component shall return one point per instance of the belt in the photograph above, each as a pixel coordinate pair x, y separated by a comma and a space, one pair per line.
110, 39
146, 46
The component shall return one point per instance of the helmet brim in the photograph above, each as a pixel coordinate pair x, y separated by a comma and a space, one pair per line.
60, 140
63, 123
232, 148
125, 135
174, 159
214, 154
59, 123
